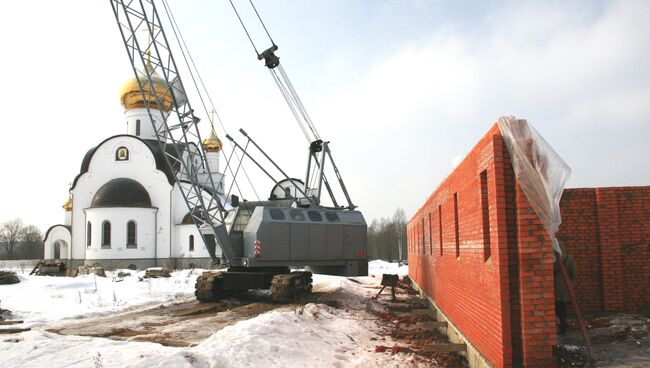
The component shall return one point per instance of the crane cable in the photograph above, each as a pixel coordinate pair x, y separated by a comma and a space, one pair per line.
288, 92
261, 21
282, 80
183, 47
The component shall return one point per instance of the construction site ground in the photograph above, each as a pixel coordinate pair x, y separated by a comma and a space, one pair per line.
78, 322
618, 341
129, 322
190, 323
183, 324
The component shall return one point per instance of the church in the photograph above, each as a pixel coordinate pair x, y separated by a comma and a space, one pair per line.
125, 207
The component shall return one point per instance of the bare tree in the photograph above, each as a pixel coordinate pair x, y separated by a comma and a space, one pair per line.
31, 244
10, 234
399, 219
387, 237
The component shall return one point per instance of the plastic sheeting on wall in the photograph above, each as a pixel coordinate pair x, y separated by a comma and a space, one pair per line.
539, 170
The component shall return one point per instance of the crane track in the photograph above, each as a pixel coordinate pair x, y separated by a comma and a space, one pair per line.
284, 288
287, 288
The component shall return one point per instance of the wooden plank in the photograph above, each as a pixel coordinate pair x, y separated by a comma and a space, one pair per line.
2, 323
431, 325
13, 330
421, 311
444, 348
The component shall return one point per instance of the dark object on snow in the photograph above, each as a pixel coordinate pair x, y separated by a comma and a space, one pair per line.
156, 272
13, 330
8, 278
4, 313
388, 280
97, 270
49, 269
120, 276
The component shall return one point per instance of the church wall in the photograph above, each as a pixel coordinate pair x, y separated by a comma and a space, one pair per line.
181, 233
182, 242
145, 219
140, 167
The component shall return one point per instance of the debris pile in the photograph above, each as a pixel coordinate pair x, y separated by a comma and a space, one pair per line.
156, 272
406, 323
8, 278
43, 268
4, 313
610, 335
85, 270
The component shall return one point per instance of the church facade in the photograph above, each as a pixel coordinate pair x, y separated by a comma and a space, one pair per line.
125, 207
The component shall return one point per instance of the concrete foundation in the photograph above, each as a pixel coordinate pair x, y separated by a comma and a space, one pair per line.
140, 264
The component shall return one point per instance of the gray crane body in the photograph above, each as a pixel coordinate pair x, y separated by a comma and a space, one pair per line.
325, 241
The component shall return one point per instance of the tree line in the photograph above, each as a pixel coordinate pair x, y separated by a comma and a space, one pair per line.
20, 241
386, 236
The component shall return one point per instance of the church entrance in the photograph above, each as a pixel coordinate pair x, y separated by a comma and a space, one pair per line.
60, 249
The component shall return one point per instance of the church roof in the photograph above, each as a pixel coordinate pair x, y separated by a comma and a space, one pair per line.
121, 192
47, 233
157, 152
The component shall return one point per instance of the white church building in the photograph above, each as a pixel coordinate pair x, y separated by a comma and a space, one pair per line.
125, 207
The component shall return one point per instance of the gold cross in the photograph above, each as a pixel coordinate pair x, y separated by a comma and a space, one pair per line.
148, 51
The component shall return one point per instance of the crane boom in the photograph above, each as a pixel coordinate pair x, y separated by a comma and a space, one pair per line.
179, 128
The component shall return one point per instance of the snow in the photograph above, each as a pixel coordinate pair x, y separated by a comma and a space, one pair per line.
38, 300
313, 334
379, 267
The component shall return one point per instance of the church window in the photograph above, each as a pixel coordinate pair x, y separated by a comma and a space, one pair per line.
106, 234
88, 234
137, 127
122, 154
57, 250
131, 235
191, 243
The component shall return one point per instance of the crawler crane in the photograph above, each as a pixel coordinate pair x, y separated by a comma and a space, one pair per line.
260, 240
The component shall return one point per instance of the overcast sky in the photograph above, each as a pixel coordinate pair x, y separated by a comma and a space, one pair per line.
401, 88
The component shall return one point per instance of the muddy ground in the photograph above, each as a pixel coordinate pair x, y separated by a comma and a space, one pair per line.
618, 341
183, 324
190, 323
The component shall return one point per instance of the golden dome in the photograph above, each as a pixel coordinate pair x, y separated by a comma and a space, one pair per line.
67, 206
212, 143
131, 97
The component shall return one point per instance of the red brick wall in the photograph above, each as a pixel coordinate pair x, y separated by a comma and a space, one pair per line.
607, 231
479, 251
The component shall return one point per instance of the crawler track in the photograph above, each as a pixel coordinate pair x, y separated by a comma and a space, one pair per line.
288, 287
284, 288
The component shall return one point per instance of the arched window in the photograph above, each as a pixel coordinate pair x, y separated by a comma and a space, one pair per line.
131, 234
106, 234
191, 243
57, 250
88, 234
137, 127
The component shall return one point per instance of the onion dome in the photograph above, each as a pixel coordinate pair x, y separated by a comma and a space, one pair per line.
212, 143
67, 206
131, 97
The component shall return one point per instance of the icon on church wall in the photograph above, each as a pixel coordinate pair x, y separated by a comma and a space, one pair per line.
122, 154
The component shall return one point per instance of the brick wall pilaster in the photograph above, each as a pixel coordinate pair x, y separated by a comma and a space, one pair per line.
536, 287
608, 231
